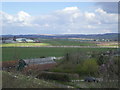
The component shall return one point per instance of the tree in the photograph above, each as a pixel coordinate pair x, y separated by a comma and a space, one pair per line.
100, 60
89, 67
14, 38
110, 73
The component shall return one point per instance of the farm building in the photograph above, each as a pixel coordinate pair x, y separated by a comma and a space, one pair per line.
47, 60
19, 40
37, 63
40, 63
0, 41
24, 40
8, 41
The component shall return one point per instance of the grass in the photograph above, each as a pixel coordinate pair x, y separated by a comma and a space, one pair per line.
13, 53
62, 42
24, 44
83, 84
50, 42
18, 80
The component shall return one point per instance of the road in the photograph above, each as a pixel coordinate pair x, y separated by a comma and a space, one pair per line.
72, 46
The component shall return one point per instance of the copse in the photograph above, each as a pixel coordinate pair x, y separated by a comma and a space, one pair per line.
76, 57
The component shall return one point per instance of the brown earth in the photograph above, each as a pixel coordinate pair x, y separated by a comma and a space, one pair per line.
39, 67
36, 67
7, 64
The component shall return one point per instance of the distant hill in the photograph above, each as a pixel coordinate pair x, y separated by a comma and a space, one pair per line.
111, 36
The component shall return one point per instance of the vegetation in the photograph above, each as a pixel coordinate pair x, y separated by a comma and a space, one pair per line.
96, 62
24, 44
66, 42
79, 61
89, 67
15, 53
85, 63
54, 76
18, 80
76, 64
109, 71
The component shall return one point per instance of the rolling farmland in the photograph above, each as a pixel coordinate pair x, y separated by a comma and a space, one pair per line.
66, 42
13, 53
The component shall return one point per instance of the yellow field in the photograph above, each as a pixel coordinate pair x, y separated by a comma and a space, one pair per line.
24, 44
108, 44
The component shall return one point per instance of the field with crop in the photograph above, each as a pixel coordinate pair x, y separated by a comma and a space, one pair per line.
24, 44
66, 42
14, 53
50, 42
62, 42
108, 44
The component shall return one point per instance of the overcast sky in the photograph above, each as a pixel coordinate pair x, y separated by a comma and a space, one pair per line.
59, 17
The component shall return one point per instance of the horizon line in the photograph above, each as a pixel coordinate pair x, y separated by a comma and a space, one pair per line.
61, 34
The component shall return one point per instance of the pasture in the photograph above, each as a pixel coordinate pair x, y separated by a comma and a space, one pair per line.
14, 53
67, 42
50, 42
62, 42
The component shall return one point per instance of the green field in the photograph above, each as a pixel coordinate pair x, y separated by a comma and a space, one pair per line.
50, 42
13, 53
66, 42
24, 44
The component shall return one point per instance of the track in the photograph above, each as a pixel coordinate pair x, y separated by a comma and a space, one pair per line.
72, 46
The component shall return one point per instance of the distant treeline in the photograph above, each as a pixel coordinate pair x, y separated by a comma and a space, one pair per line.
110, 36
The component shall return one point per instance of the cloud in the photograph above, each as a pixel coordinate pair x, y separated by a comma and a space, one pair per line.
60, 1
109, 7
67, 20
20, 19
108, 18
67, 9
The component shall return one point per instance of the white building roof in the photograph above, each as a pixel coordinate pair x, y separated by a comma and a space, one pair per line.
40, 60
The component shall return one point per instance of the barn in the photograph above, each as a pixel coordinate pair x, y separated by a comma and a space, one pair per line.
46, 60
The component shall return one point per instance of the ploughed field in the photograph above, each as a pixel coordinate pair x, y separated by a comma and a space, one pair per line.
15, 53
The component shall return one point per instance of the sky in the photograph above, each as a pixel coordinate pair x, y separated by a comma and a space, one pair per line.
58, 17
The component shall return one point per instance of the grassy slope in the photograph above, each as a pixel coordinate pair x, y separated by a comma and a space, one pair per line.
12, 53
14, 80
18, 80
